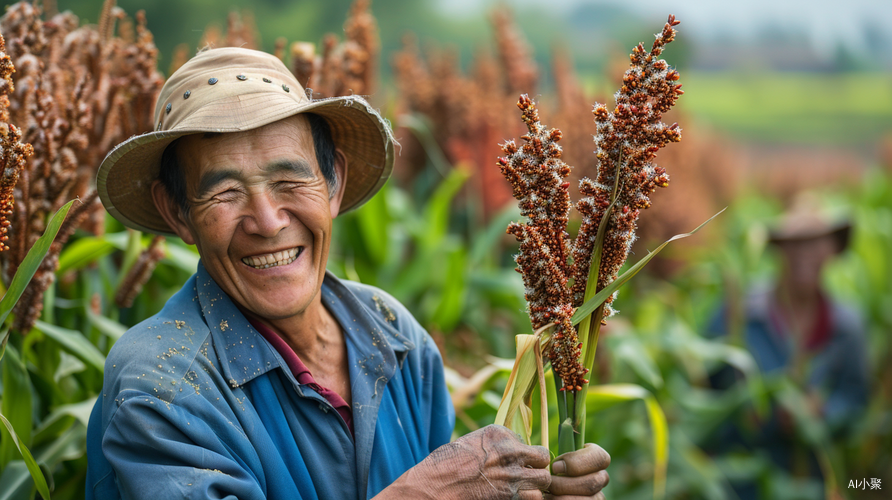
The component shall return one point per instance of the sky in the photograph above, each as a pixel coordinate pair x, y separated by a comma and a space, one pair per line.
826, 24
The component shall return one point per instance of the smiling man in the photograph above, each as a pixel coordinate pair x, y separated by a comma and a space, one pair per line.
266, 376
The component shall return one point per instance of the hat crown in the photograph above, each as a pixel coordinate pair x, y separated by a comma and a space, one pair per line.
216, 75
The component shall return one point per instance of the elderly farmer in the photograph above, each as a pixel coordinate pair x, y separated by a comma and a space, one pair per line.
795, 329
266, 376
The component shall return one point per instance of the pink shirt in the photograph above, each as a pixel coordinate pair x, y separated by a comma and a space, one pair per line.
302, 373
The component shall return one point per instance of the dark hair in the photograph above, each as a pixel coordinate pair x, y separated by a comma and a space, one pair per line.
174, 181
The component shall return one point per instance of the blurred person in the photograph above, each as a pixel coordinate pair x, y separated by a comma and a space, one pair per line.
265, 376
794, 329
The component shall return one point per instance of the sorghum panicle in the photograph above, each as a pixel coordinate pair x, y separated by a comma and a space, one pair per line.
12, 151
631, 135
536, 173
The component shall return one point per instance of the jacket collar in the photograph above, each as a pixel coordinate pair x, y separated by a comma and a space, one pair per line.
244, 354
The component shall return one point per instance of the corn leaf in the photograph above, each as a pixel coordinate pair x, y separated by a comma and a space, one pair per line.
604, 396
371, 220
452, 297
590, 305
181, 256
436, 212
109, 327
421, 128
16, 479
74, 342
31, 262
16, 404
84, 251
33, 468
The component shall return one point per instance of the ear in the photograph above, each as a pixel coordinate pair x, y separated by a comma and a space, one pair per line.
171, 212
340, 167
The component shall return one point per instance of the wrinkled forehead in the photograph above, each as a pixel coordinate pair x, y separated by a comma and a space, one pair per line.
289, 138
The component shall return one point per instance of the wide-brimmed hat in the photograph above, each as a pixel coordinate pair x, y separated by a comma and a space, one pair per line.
232, 90
807, 219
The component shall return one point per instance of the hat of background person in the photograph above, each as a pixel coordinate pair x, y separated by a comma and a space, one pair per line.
232, 90
807, 219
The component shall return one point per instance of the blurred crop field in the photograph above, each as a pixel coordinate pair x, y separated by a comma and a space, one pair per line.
435, 237
850, 109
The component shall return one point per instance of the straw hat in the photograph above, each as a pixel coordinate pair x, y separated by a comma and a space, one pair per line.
807, 220
230, 90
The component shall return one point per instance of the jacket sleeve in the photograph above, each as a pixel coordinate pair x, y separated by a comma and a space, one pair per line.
160, 450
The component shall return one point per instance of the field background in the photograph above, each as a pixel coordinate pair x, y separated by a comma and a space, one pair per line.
765, 118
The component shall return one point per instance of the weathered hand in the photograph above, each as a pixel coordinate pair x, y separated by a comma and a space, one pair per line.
490, 463
579, 474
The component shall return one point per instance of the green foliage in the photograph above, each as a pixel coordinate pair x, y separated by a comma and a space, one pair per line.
458, 279
16, 406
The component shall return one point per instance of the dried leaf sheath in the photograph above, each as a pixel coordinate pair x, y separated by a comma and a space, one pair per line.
537, 174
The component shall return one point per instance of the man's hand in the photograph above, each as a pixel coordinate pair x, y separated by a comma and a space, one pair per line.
579, 474
487, 464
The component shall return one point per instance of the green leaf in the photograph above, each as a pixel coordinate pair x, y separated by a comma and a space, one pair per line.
566, 437
373, 221
590, 305
4, 338
109, 327
420, 127
70, 445
33, 468
184, 257
448, 311
485, 242
75, 343
31, 262
16, 482
631, 351
436, 213
603, 396
16, 403
84, 251
80, 411
68, 365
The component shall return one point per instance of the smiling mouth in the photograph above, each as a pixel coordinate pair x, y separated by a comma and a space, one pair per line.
265, 261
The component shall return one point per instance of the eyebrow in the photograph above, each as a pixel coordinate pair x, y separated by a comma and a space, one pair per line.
299, 168
211, 179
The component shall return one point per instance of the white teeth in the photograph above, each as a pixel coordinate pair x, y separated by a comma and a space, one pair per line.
282, 258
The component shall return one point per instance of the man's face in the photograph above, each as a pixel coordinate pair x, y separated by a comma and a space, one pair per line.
260, 215
804, 260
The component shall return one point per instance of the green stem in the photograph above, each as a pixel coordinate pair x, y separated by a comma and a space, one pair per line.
588, 361
588, 335
561, 399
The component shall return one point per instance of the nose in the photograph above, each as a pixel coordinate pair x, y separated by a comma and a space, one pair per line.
265, 216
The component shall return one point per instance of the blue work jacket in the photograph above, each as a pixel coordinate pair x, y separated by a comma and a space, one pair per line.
197, 404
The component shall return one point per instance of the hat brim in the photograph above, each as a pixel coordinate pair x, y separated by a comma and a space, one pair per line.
126, 174
840, 231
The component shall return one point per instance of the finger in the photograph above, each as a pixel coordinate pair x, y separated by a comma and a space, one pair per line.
537, 456
528, 495
591, 458
535, 479
586, 486
599, 496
